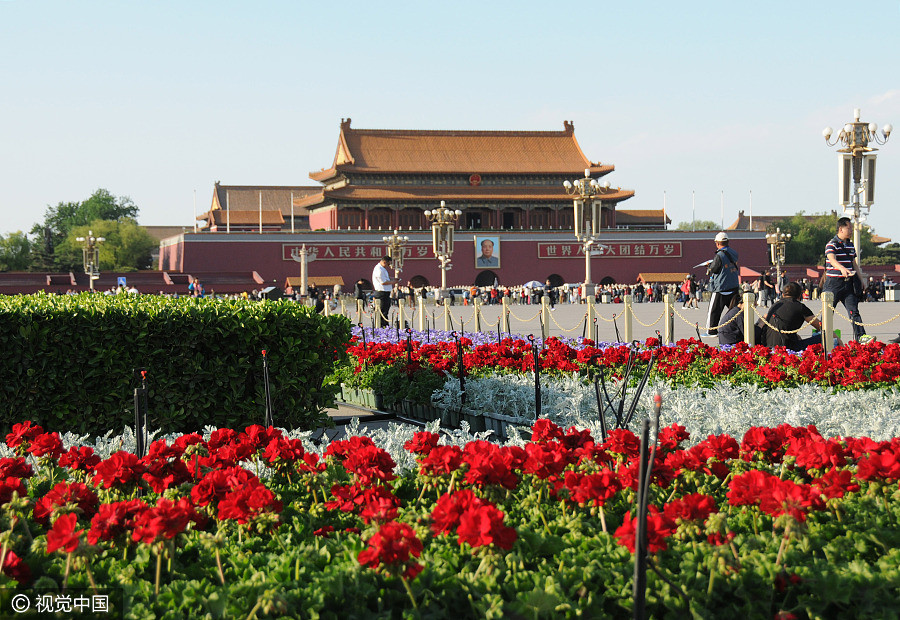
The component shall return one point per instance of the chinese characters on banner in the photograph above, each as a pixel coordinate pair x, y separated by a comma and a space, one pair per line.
354, 251
669, 249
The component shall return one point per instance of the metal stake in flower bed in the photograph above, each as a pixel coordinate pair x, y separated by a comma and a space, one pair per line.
616, 325
141, 406
645, 474
408, 346
536, 353
697, 329
498, 332
269, 419
462, 368
365, 349
584, 328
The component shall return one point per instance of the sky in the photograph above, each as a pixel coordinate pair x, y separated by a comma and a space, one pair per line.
159, 100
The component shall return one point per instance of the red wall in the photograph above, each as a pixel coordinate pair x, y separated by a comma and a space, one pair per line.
520, 262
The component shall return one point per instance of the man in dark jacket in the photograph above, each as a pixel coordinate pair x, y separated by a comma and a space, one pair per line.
724, 281
788, 315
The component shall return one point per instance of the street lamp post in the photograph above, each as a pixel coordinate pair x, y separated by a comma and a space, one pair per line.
442, 223
395, 245
587, 223
91, 255
856, 174
777, 244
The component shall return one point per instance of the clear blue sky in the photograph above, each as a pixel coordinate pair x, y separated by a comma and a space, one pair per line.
154, 100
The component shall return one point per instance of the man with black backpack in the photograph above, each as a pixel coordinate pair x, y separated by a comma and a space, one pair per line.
724, 281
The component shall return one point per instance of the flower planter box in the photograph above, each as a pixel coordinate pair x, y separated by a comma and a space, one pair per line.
476, 420
430, 413
450, 417
500, 423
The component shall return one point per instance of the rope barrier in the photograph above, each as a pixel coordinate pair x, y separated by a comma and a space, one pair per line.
577, 325
780, 331
510, 312
612, 320
659, 318
717, 327
849, 320
485, 322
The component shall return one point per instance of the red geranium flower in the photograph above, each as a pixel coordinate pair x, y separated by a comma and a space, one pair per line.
16, 467
483, 525
63, 535
164, 521
392, 549
79, 458
10, 485
441, 460
47, 444
450, 507
22, 433
659, 527
120, 469
63, 494
422, 442
15, 568
115, 519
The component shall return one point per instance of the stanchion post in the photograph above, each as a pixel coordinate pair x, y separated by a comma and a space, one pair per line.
629, 327
420, 316
343, 307
477, 309
504, 315
591, 323
446, 314
359, 310
749, 324
401, 306
828, 317
669, 318
545, 313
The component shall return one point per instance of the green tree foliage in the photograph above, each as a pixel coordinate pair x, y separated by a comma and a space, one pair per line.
65, 216
15, 252
810, 234
127, 246
698, 225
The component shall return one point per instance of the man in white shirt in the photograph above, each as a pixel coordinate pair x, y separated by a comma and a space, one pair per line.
383, 284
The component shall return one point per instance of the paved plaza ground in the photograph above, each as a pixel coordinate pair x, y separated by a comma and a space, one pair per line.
568, 319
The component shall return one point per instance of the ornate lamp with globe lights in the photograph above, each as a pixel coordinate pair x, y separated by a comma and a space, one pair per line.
777, 244
587, 223
443, 221
91, 255
395, 245
856, 173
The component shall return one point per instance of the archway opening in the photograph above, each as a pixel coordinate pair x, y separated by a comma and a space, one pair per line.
555, 280
607, 281
418, 281
486, 278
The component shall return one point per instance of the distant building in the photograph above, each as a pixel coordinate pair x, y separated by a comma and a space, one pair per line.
764, 223
507, 184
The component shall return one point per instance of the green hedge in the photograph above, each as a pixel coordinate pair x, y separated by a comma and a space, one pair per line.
68, 362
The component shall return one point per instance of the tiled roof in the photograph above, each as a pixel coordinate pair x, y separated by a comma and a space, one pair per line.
482, 152
295, 281
641, 216
274, 198
452, 194
663, 278
762, 222
244, 218
164, 232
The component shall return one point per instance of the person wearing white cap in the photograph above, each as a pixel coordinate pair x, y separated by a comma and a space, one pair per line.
724, 281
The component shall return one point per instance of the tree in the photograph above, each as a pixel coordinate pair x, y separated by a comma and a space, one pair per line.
810, 234
127, 246
65, 216
15, 252
698, 225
